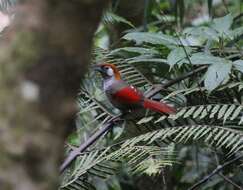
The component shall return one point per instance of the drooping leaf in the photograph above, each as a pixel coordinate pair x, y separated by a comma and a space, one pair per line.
238, 65
206, 59
216, 74
146, 58
223, 24
152, 38
202, 33
138, 50
178, 56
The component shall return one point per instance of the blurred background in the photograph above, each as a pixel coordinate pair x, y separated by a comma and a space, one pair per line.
153, 42
196, 44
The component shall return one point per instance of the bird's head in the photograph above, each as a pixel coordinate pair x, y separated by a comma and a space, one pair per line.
108, 70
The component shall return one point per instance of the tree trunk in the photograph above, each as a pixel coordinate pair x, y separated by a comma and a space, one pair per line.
133, 12
43, 57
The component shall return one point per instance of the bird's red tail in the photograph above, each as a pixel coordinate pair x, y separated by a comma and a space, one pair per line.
158, 106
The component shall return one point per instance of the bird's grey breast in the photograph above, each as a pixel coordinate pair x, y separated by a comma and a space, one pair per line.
111, 86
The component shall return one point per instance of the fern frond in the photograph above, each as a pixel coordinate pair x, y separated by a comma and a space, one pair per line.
224, 112
217, 136
110, 18
104, 163
89, 104
218, 111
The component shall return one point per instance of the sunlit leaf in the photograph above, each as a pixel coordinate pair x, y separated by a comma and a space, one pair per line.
152, 38
216, 74
178, 56
238, 65
206, 59
223, 24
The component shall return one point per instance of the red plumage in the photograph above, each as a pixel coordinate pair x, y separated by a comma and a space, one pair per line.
158, 106
126, 97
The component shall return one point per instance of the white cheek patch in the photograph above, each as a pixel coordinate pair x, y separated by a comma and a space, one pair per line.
110, 72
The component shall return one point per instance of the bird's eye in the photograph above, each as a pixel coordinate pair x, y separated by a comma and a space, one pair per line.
106, 68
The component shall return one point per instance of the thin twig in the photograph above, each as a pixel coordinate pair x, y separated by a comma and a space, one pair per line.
214, 172
230, 181
160, 87
225, 177
238, 17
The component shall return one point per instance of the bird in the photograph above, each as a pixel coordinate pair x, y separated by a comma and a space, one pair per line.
126, 97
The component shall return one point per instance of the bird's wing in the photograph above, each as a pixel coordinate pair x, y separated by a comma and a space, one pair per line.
128, 95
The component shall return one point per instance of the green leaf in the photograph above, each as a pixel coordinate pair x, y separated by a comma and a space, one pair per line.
144, 58
216, 74
229, 112
177, 56
236, 113
238, 65
138, 50
206, 59
74, 139
145, 120
202, 33
152, 38
237, 32
198, 111
110, 18
223, 24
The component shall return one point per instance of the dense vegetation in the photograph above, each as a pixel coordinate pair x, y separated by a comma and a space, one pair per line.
194, 64
186, 53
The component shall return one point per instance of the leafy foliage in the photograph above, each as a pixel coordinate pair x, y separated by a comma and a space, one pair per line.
209, 103
103, 163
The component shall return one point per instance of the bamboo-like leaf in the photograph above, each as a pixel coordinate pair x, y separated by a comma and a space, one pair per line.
222, 111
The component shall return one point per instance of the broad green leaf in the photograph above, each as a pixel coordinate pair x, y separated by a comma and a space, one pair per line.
238, 65
202, 33
206, 59
145, 58
152, 38
177, 56
138, 50
216, 74
223, 24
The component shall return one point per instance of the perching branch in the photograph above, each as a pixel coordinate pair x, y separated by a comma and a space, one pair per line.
214, 172
91, 140
160, 87
110, 124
